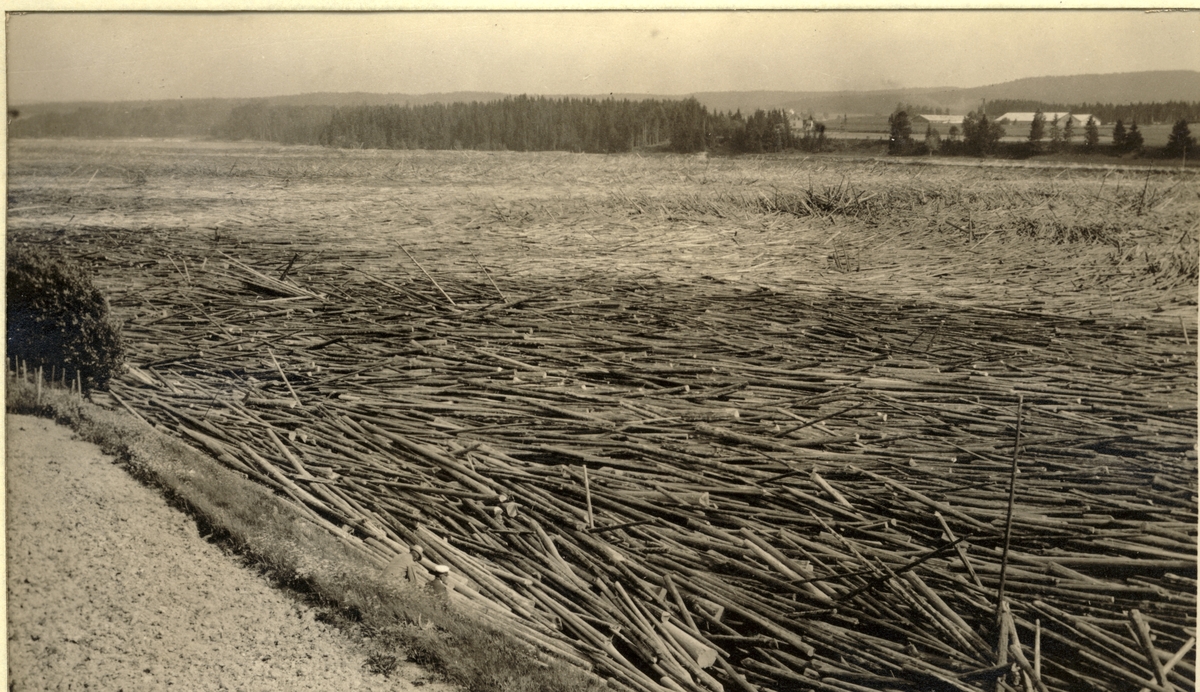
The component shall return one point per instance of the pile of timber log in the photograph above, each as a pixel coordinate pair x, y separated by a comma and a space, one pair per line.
710, 486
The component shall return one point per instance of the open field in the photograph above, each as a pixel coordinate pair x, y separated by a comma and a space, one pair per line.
695, 423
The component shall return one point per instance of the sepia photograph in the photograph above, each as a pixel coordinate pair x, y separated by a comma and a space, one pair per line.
646, 351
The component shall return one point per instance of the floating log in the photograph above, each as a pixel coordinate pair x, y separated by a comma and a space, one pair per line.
779, 486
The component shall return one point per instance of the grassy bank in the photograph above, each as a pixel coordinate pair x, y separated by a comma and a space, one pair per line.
391, 622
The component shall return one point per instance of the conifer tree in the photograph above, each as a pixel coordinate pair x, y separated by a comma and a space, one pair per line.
1037, 129
1118, 136
980, 135
899, 132
1091, 134
1133, 139
1180, 142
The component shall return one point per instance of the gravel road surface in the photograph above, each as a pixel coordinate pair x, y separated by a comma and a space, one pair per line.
109, 588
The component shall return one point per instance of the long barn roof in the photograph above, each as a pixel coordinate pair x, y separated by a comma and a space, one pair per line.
1050, 117
943, 119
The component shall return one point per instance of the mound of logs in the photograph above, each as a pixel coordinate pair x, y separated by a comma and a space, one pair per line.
712, 486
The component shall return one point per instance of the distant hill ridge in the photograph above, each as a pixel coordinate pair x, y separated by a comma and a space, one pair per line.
1120, 88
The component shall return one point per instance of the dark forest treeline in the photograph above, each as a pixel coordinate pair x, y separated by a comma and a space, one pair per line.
1143, 113
522, 123
543, 124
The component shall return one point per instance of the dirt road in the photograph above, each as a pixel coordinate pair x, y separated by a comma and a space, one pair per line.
111, 589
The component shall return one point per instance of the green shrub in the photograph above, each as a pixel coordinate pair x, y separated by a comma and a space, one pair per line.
57, 317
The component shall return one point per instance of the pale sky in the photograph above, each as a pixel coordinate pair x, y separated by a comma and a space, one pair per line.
80, 56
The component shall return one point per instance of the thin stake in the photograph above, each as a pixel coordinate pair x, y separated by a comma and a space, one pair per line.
284, 376
626, 525
895, 573
687, 617
1001, 645
210, 406
814, 421
587, 489
1186, 340
1146, 639
1037, 648
1012, 494
1170, 663
39, 385
504, 297
427, 276
935, 335
962, 554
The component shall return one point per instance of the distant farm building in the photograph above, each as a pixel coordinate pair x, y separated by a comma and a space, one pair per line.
941, 122
804, 126
1026, 119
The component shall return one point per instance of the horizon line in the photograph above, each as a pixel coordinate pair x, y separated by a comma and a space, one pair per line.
582, 95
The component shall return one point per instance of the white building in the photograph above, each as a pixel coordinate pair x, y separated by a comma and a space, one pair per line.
803, 125
943, 121
1026, 119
